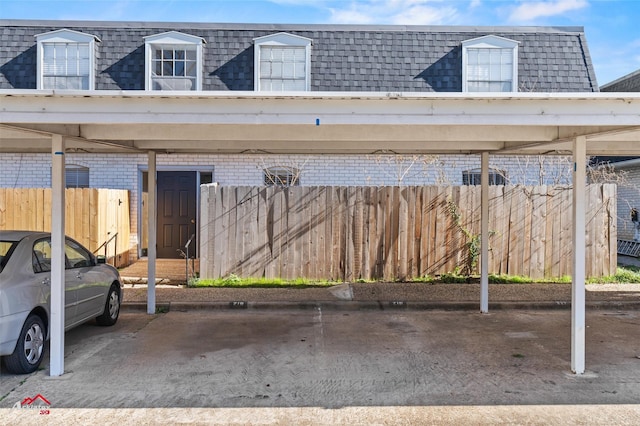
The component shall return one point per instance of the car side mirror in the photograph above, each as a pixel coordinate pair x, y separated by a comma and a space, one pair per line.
101, 259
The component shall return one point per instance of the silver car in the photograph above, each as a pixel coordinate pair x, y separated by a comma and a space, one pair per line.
93, 289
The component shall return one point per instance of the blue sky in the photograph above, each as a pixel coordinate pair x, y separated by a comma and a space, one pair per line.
612, 27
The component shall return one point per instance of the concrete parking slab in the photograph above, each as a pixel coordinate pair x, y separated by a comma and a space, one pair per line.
337, 367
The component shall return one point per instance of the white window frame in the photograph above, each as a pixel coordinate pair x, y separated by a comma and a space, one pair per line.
490, 42
282, 40
169, 41
67, 37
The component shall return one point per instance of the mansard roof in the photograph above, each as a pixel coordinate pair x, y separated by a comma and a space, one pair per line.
627, 83
344, 57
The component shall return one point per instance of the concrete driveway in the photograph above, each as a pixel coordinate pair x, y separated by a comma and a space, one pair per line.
340, 367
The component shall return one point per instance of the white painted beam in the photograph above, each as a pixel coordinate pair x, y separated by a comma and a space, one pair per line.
589, 109
389, 133
578, 343
151, 232
56, 325
484, 233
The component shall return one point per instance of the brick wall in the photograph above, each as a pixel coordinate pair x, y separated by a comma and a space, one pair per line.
628, 198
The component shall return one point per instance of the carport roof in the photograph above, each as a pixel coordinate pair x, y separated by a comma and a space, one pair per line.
319, 122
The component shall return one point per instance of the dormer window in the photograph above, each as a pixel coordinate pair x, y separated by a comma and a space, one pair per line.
490, 64
66, 60
173, 61
282, 63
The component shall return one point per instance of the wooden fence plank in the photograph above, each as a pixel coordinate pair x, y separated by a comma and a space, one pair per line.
565, 249
402, 235
516, 218
274, 226
550, 223
376, 234
415, 213
358, 232
538, 233
384, 218
611, 230
222, 236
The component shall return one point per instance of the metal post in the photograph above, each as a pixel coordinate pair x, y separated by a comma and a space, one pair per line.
579, 255
484, 234
151, 254
56, 352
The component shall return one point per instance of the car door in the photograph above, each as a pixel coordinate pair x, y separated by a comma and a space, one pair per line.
89, 287
41, 259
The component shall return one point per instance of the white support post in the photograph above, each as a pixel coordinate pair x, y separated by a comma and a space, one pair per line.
56, 326
578, 342
484, 234
152, 232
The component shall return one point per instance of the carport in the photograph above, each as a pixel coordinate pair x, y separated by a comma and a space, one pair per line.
319, 122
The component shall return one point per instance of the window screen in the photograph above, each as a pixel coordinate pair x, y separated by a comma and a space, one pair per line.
66, 66
76, 177
283, 68
489, 70
281, 176
474, 177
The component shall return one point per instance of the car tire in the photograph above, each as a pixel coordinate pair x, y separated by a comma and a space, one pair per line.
27, 356
111, 307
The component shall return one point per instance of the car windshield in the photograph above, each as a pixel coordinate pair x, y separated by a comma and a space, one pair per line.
6, 248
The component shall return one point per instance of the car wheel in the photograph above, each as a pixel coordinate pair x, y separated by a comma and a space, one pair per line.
111, 307
30, 348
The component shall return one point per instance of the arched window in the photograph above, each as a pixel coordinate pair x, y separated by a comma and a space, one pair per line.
281, 176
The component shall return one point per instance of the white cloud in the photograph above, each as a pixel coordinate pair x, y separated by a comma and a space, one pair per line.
398, 12
530, 10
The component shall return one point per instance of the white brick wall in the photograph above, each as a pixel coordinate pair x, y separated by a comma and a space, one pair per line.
628, 198
120, 171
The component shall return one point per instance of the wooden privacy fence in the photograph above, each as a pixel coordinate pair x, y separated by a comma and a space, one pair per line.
351, 233
92, 216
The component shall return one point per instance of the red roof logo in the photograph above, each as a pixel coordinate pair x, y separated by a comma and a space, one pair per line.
31, 401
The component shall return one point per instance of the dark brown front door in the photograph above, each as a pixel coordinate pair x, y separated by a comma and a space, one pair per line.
176, 213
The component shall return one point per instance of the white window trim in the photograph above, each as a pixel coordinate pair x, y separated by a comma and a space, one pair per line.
281, 39
490, 42
66, 36
172, 38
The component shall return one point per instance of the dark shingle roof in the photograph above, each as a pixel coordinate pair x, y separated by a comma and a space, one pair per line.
628, 83
344, 58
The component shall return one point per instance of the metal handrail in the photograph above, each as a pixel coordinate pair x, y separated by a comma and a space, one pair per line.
186, 246
115, 248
